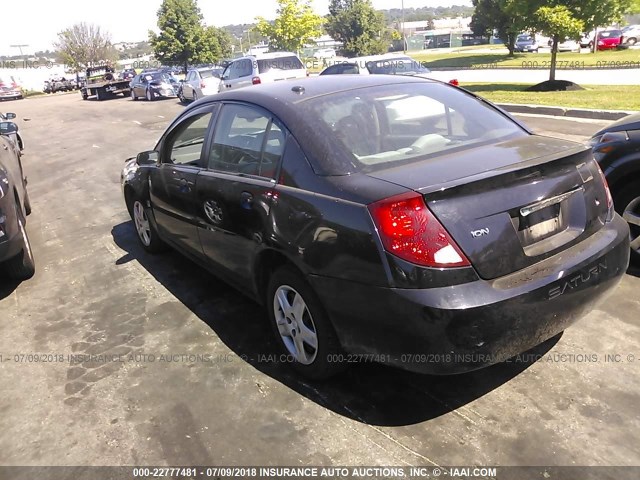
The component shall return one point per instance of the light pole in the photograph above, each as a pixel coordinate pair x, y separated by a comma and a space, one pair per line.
404, 37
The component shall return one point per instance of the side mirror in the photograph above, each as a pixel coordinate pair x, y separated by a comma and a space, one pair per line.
9, 116
7, 128
149, 157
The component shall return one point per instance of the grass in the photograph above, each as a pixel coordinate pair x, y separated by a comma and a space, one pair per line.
606, 97
566, 60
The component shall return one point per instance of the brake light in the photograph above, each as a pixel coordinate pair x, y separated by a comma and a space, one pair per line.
256, 80
202, 85
607, 191
409, 230
454, 82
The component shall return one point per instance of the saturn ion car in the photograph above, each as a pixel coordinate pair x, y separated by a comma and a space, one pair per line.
400, 219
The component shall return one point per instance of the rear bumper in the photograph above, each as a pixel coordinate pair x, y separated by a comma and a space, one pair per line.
464, 327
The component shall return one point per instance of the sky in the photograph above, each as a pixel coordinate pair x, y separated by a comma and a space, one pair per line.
36, 22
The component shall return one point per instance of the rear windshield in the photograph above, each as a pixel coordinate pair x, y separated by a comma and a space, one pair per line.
400, 124
216, 72
611, 34
281, 63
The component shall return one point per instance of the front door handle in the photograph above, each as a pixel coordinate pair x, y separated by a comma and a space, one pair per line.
246, 200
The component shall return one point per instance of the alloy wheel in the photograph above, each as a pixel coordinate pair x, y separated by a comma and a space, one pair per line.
295, 324
142, 223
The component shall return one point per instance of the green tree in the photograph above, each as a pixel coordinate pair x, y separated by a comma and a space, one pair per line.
83, 45
295, 26
183, 37
559, 23
499, 15
359, 27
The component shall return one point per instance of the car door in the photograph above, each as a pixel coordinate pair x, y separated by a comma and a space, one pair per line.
187, 89
172, 183
234, 192
239, 74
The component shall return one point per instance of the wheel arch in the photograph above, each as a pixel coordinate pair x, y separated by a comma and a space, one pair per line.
267, 262
623, 171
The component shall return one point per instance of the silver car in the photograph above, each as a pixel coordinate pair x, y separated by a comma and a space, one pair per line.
200, 82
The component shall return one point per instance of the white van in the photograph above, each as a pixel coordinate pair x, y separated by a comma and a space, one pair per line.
256, 69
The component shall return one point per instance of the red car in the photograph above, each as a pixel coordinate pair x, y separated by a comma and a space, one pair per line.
609, 39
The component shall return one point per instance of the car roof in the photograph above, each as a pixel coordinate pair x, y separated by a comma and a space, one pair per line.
266, 56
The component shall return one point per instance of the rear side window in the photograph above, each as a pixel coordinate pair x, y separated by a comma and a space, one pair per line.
248, 141
280, 63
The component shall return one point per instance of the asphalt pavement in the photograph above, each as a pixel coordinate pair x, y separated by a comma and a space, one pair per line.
111, 356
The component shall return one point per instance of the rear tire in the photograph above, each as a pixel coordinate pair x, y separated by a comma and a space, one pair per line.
627, 204
301, 326
22, 266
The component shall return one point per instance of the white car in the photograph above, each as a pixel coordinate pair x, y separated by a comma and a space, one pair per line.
569, 46
631, 35
324, 53
263, 68
389, 64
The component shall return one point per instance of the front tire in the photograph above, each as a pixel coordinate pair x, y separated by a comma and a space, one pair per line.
133, 95
22, 266
150, 96
145, 227
301, 326
627, 204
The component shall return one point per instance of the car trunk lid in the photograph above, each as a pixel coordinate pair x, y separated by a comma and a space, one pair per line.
511, 204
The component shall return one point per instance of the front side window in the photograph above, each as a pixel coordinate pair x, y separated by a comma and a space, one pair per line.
184, 145
246, 141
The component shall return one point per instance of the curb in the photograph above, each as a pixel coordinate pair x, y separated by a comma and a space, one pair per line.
565, 111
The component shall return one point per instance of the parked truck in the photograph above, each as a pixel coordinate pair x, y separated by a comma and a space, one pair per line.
101, 81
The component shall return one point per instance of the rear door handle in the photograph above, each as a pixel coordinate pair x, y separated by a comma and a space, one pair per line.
246, 200
185, 186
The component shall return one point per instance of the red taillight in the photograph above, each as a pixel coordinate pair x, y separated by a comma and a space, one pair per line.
454, 81
256, 80
410, 231
202, 85
607, 191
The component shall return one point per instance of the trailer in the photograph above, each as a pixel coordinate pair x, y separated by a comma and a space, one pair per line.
102, 82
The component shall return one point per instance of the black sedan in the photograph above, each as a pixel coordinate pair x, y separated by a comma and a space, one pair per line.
153, 85
16, 257
617, 149
398, 219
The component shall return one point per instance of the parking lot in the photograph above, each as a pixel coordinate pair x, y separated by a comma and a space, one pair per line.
111, 356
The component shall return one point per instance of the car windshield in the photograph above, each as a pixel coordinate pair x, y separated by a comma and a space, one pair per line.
159, 77
280, 63
524, 39
404, 123
396, 66
611, 34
